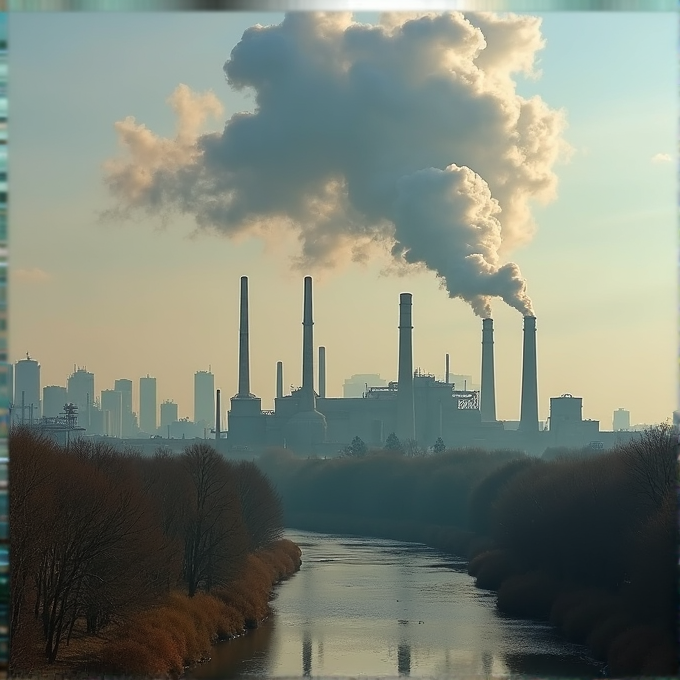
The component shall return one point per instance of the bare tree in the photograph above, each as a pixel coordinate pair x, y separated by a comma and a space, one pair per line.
652, 462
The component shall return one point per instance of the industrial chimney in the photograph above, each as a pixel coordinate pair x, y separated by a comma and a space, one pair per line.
405, 402
217, 416
243, 357
279, 379
308, 397
528, 419
488, 395
322, 372
447, 369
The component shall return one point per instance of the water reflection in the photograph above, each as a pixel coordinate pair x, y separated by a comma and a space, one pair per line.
367, 607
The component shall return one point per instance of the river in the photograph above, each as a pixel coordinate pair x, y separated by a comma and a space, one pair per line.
364, 606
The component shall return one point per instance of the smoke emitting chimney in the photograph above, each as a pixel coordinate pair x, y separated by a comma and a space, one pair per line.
279, 379
528, 419
447, 369
217, 416
307, 396
243, 357
488, 395
322, 372
405, 402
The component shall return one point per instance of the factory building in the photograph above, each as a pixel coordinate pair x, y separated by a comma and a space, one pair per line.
80, 388
27, 391
54, 399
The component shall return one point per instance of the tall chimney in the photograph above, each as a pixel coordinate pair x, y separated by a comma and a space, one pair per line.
322, 372
217, 416
307, 401
279, 379
488, 396
447, 369
243, 357
528, 419
405, 402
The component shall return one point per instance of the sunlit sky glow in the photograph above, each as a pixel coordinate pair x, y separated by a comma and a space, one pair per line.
137, 297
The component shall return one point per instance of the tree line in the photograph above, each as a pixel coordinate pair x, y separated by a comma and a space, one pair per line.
97, 535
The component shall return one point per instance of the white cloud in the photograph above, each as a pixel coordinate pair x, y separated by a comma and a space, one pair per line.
31, 275
662, 158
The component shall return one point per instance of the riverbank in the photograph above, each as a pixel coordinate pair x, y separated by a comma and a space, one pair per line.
179, 631
594, 617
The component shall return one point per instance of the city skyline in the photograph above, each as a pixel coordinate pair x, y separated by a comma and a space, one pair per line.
164, 301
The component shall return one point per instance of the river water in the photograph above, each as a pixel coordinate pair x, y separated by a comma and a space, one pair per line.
361, 606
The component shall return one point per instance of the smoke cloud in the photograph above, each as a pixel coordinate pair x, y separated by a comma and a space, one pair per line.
409, 133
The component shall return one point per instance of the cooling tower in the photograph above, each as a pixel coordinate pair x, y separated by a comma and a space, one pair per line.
322, 372
528, 419
243, 356
405, 401
279, 379
488, 395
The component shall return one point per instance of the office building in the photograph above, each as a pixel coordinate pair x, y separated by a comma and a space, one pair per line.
27, 390
148, 421
204, 398
54, 399
112, 407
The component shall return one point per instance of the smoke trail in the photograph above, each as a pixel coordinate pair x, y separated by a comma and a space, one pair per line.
408, 133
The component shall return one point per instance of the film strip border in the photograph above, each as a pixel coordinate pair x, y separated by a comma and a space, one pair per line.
342, 5
4, 366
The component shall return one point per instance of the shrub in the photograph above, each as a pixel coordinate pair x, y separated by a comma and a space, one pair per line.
492, 568
530, 594
630, 651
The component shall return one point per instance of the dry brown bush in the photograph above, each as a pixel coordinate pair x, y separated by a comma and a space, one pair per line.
493, 568
133, 658
579, 621
570, 598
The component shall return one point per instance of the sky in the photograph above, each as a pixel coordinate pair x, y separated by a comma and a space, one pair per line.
145, 290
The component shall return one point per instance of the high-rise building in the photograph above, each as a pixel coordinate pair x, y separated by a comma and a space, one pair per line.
147, 405
112, 403
168, 415
124, 386
53, 401
9, 382
204, 398
27, 390
80, 388
621, 420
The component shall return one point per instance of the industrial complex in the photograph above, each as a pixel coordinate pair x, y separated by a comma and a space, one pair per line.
416, 407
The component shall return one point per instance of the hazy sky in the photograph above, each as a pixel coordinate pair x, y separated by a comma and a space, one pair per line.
127, 297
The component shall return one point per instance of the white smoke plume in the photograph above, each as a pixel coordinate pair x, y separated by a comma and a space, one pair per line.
408, 133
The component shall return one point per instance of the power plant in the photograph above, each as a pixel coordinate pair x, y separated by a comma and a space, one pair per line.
417, 407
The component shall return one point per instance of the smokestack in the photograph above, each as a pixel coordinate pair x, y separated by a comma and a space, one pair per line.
243, 357
488, 395
307, 401
447, 369
279, 379
405, 402
217, 416
322, 372
528, 419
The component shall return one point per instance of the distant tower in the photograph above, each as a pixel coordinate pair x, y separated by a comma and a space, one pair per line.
528, 420
621, 420
112, 401
27, 389
204, 397
147, 405
169, 415
80, 387
124, 386
54, 400
279, 379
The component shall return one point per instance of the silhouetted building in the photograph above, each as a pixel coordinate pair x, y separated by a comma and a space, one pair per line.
80, 388
112, 407
54, 399
27, 390
147, 405
621, 420
204, 398
358, 384
124, 386
168, 416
